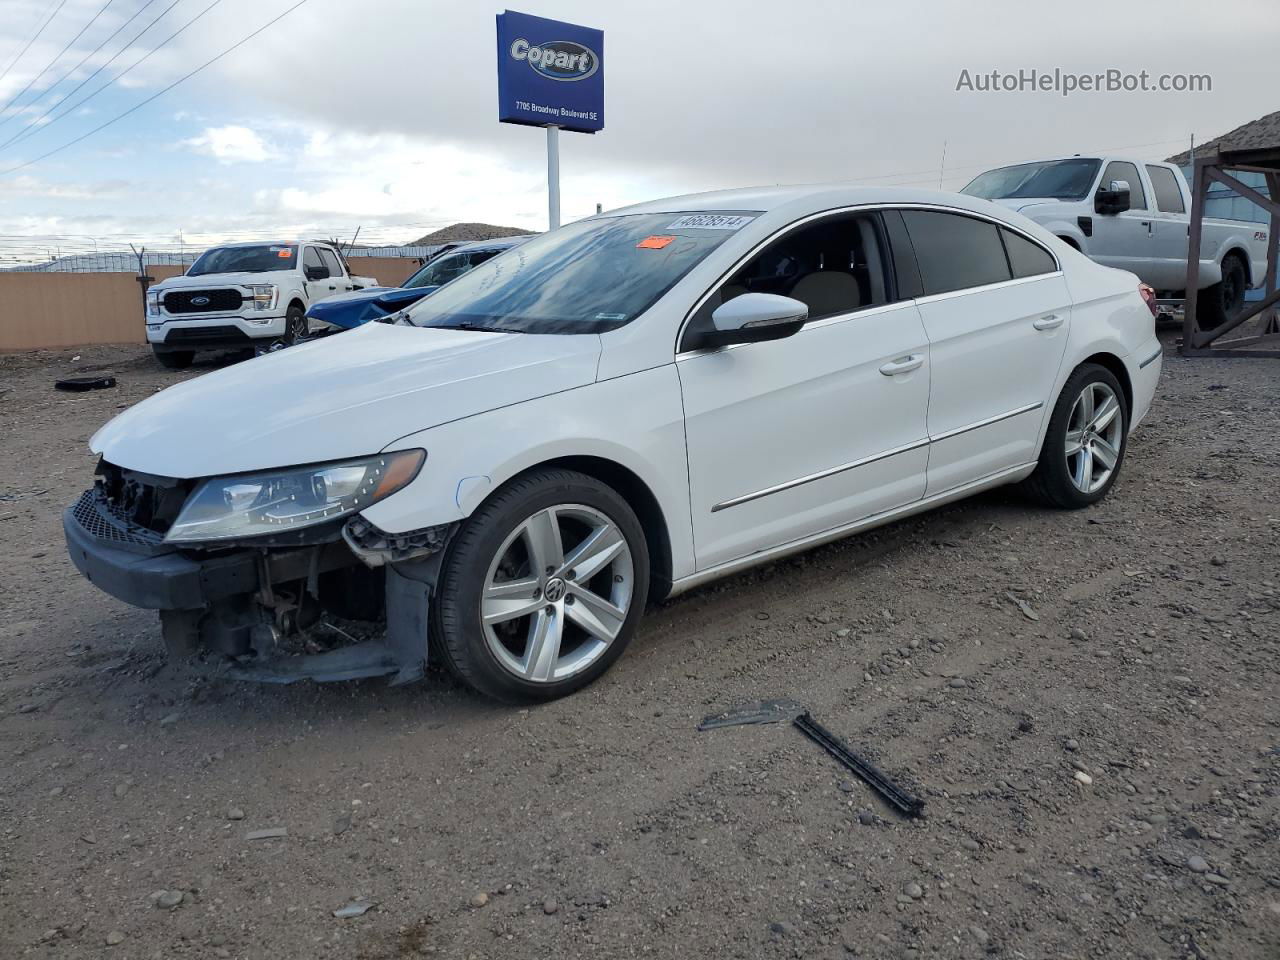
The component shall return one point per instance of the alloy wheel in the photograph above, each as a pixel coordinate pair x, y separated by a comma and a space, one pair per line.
1094, 437
557, 593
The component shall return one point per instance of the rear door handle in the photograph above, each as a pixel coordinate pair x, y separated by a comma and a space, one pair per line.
903, 365
1051, 322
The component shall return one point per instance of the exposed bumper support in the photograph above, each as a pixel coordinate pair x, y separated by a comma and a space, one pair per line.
242, 602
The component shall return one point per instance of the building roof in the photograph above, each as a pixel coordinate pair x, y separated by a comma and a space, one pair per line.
1258, 135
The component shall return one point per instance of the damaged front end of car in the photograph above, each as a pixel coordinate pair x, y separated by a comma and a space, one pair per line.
244, 568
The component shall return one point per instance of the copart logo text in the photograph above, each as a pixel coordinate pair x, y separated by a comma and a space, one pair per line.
558, 59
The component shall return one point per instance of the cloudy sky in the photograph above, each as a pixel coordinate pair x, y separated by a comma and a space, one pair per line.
383, 113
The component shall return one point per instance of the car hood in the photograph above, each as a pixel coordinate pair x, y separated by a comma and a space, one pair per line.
219, 280
352, 309
1019, 204
353, 296
342, 396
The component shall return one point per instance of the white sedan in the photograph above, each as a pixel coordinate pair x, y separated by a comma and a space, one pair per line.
614, 412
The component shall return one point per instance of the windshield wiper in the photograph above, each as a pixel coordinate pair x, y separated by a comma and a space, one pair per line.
467, 325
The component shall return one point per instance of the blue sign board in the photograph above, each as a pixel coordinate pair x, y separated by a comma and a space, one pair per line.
550, 73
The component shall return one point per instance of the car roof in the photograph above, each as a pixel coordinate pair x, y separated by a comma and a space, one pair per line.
268, 243
814, 197
497, 243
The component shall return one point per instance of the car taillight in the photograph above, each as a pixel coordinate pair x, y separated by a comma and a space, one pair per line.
1149, 296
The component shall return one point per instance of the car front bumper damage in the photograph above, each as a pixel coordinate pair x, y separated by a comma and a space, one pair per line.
247, 605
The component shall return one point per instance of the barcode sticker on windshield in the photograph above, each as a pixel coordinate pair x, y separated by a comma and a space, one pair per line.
710, 221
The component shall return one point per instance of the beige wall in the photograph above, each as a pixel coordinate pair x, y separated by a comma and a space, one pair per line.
40, 310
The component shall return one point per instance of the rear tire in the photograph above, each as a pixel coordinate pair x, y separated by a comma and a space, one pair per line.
1085, 444
524, 613
174, 359
1224, 300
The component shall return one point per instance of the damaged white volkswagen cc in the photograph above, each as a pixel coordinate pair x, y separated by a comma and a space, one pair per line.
610, 414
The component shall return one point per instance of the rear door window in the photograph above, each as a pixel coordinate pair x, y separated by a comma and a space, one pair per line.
956, 252
1168, 193
1026, 257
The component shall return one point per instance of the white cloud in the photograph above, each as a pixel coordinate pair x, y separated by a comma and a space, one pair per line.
312, 129
232, 144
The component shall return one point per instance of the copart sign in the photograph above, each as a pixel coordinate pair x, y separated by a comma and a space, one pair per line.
550, 73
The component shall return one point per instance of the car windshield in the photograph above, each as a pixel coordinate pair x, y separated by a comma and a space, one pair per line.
449, 267
260, 259
588, 277
1059, 179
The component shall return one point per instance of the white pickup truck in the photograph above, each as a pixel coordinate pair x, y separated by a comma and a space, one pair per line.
1133, 215
243, 295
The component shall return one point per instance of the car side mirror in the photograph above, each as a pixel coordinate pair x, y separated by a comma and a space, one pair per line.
316, 273
1113, 200
753, 318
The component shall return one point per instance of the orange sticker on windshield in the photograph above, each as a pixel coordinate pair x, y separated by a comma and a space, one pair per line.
653, 243
285, 254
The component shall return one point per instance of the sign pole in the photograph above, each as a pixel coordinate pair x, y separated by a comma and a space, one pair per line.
553, 177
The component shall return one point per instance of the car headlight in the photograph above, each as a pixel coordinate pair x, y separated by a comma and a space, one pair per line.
260, 504
153, 303
263, 295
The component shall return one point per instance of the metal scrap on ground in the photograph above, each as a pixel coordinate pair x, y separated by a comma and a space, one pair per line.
777, 711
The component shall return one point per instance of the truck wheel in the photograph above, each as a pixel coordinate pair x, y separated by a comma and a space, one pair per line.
295, 326
542, 588
1222, 301
1085, 444
174, 359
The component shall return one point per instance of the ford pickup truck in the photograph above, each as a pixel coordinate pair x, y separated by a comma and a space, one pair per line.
242, 296
1133, 215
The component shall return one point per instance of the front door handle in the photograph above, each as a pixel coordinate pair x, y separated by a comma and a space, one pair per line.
1051, 322
903, 365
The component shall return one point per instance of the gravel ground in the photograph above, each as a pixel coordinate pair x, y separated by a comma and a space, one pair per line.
1086, 701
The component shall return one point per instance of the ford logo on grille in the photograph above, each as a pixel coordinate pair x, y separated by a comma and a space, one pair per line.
199, 301
557, 60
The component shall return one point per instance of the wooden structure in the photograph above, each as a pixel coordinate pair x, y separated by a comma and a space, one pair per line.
1253, 148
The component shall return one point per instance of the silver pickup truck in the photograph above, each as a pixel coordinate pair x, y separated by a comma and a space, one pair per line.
1133, 215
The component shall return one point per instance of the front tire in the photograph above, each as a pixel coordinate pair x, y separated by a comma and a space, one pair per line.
296, 327
542, 588
1085, 444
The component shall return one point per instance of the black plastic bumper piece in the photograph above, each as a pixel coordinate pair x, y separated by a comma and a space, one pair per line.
206, 338
898, 798
163, 581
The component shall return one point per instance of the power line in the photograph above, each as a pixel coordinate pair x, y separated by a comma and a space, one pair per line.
32, 128
36, 79
82, 62
34, 37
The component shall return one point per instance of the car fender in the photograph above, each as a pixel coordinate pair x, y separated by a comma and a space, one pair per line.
471, 458
296, 291
1236, 243
1068, 232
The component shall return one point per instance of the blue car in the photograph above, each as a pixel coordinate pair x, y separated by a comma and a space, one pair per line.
349, 310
